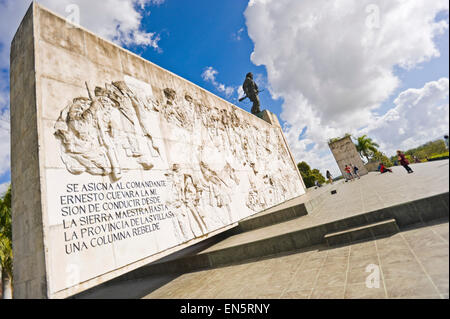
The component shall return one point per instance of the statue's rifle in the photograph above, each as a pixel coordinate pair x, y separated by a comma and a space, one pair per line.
243, 98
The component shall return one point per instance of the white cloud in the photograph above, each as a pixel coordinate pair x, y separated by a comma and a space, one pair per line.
209, 75
238, 35
418, 115
4, 141
116, 20
333, 62
4, 188
240, 92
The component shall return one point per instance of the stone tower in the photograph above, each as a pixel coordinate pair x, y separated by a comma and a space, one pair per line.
345, 153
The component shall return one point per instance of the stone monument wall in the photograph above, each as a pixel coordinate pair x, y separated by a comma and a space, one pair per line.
345, 153
117, 162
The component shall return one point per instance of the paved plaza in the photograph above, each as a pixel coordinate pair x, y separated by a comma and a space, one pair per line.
413, 263
372, 192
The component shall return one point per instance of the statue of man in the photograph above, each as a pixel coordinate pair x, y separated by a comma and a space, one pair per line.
251, 90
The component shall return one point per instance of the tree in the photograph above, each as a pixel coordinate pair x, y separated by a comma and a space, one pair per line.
318, 176
378, 156
366, 147
427, 150
310, 176
6, 254
304, 168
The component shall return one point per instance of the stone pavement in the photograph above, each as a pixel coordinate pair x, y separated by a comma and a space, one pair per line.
412, 264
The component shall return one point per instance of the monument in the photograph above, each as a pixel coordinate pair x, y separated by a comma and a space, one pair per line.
117, 162
345, 153
251, 91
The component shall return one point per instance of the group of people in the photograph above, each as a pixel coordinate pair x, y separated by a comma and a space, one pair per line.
401, 158
351, 172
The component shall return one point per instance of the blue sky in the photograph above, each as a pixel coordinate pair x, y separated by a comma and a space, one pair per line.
202, 34
308, 56
425, 72
215, 34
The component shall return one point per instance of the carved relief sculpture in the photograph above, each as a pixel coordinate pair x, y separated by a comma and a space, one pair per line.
109, 132
93, 131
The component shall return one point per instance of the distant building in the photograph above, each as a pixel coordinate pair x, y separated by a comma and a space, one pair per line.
345, 153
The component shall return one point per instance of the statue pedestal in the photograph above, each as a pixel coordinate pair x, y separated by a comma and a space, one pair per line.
269, 117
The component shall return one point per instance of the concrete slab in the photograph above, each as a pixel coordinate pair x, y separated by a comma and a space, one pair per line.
338, 272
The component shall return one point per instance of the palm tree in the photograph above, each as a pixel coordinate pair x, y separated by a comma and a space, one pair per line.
6, 244
366, 147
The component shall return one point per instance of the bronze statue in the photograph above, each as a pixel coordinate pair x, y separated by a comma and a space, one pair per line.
251, 92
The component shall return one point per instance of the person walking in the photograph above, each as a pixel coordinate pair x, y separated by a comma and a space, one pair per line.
404, 162
348, 173
329, 177
355, 171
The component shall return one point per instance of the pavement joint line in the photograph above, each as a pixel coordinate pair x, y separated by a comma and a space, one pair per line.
420, 264
293, 276
348, 269
362, 199
437, 234
317, 276
322, 203
381, 269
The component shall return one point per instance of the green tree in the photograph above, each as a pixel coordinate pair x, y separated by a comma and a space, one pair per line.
310, 176
318, 176
6, 254
304, 168
421, 154
427, 150
379, 156
366, 147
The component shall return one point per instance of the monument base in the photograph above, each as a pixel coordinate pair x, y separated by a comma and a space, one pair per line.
269, 117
